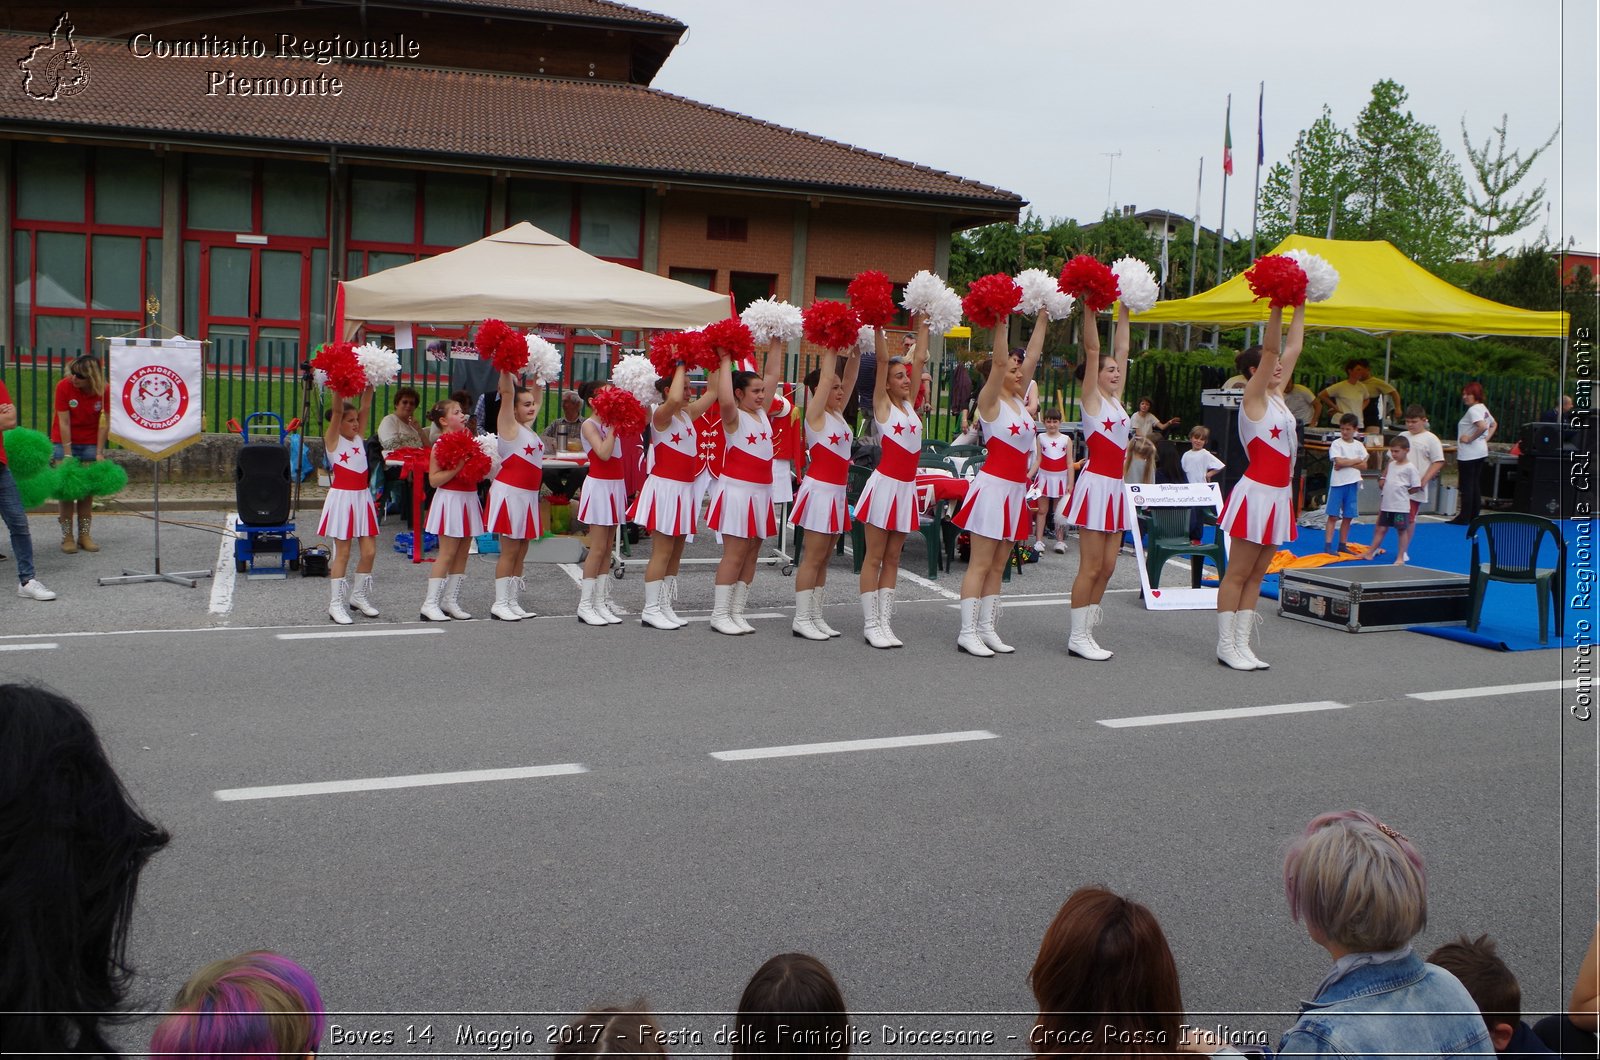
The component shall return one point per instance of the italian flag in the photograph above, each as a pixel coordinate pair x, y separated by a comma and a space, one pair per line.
1227, 141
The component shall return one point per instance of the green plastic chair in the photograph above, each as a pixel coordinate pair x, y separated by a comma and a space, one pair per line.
1514, 541
933, 445
931, 525
1166, 534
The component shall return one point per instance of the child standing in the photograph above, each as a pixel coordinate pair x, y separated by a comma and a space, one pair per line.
1427, 456
455, 515
1200, 465
514, 495
1052, 466
1141, 465
1347, 455
1398, 484
348, 511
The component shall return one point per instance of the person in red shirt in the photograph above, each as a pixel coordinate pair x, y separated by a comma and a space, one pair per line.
79, 422
11, 510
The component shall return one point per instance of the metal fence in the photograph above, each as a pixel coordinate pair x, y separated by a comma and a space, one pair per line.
232, 392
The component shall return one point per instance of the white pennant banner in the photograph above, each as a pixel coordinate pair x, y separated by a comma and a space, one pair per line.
156, 390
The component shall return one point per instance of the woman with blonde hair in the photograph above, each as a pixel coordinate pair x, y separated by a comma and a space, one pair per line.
79, 425
1362, 891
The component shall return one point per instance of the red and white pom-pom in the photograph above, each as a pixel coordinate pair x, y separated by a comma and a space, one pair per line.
1322, 279
866, 340
1278, 279
664, 352
872, 297
1037, 286
945, 313
731, 336
1135, 283
696, 350
1059, 304
502, 346
343, 372
771, 318
991, 298
380, 364
923, 293
490, 445
635, 375
831, 325
619, 410
460, 449
1090, 282
544, 360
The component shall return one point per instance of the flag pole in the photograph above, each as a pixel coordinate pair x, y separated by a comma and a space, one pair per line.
1222, 220
1261, 156
1194, 255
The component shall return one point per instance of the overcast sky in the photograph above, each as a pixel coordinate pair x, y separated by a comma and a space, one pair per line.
1034, 95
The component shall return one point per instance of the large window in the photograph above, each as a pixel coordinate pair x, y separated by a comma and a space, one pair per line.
748, 287
86, 246
603, 220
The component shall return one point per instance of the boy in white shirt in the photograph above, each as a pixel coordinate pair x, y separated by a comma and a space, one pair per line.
1398, 485
1347, 455
1427, 456
1199, 465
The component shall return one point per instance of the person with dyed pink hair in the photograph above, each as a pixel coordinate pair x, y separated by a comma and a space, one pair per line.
256, 1004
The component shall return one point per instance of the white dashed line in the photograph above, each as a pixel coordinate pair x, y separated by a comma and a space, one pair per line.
840, 746
418, 780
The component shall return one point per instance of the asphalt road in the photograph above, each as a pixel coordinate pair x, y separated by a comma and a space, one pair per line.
923, 875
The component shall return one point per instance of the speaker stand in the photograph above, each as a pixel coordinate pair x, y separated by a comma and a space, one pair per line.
128, 577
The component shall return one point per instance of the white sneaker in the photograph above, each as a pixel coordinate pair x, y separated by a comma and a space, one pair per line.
1061, 547
33, 589
1405, 557
1038, 546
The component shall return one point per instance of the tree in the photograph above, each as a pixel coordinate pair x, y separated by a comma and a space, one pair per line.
1327, 180
1501, 212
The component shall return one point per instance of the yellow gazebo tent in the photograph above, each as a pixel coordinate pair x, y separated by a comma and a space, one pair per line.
1380, 291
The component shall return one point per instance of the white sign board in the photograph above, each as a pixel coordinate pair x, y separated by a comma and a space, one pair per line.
156, 392
1173, 495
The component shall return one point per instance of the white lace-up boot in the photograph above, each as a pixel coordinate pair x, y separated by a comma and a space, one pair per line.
988, 619
430, 604
1080, 643
337, 587
721, 603
451, 600
969, 641
361, 598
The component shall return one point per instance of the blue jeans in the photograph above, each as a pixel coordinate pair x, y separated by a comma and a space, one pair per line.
82, 452
16, 521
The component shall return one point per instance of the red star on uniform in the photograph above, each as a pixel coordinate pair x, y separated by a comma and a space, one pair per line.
1277, 431
913, 428
1016, 429
833, 439
751, 439
1108, 423
899, 428
677, 437
763, 436
344, 458
527, 450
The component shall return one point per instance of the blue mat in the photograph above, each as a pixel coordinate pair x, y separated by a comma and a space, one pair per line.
1510, 612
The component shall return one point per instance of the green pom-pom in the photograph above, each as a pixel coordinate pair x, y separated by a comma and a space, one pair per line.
37, 489
27, 452
71, 482
105, 477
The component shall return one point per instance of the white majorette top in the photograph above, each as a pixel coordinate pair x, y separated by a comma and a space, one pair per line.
675, 452
748, 455
1008, 442
349, 462
1270, 443
522, 460
900, 439
1053, 452
1106, 438
829, 450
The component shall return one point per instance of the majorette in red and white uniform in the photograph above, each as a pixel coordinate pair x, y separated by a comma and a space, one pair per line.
889, 499
605, 495
1053, 465
455, 511
1098, 502
348, 511
820, 506
514, 494
667, 504
781, 412
741, 501
1261, 505
996, 506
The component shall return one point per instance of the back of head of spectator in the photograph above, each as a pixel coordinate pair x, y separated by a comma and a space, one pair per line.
256, 1004
1489, 981
1359, 885
1105, 980
616, 1030
72, 845
792, 1005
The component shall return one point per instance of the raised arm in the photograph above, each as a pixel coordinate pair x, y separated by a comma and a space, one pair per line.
1120, 341
602, 440
817, 406
772, 368
1089, 341
994, 386
1255, 388
730, 408
1030, 358
852, 372
1292, 348
330, 434
506, 421
674, 402
919, 351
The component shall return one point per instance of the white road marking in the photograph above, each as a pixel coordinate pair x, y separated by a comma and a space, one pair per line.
222, 577
418, 780
28, 647
332, 634
152, 632
573, 571
918, 579
757, 614
1221, 715
1492, 690
839, 746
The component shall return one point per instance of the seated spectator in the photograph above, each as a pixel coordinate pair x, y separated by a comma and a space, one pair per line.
628, 1030
1572, 1033
400, 428
256, 1004
564, 433
1107, 985
1496, 991
1146, 423
1362, 891
72, 845
792, 1005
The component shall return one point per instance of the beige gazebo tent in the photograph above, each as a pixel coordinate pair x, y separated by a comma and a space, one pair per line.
524, 276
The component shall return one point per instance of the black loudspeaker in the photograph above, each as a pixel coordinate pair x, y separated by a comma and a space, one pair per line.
1556, 487
1223, 423
1542, 439
261, 485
